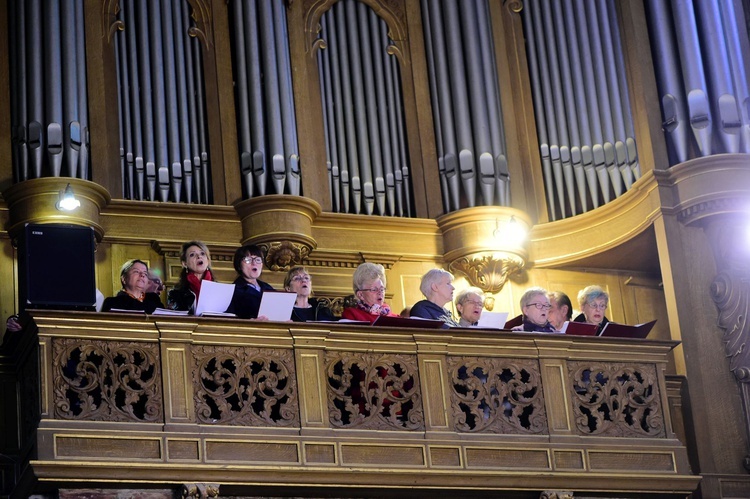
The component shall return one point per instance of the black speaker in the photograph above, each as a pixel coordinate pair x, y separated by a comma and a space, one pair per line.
56, 267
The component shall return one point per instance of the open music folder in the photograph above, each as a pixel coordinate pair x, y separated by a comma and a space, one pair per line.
615, 330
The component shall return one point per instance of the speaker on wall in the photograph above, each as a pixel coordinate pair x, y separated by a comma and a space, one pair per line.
56, 267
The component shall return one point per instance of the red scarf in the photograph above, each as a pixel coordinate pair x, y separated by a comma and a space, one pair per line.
195, 284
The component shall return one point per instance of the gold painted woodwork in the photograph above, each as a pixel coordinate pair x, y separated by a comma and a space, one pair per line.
314, 450
282, 224
34, 201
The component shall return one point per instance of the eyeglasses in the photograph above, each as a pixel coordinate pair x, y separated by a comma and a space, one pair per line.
253, 259
475, 303
301, 278
540, 306
374, 290
598, 306
140, 273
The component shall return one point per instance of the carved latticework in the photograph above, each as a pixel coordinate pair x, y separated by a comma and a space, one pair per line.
374, 391
107, 380
497, 395
245, 386
616, 400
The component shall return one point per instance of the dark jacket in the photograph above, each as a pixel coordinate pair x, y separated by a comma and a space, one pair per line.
582, 318
246, 299
124, 301
530, 327
317, 312
429, 310
181, 299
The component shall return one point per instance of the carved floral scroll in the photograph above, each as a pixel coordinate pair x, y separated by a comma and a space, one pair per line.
616, 400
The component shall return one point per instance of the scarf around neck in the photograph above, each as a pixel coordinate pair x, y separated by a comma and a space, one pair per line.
195, 284
375, 309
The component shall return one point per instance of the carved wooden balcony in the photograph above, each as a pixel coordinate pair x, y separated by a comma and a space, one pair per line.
133, 400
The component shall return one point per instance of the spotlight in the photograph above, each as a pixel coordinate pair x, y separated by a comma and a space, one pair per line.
68, 201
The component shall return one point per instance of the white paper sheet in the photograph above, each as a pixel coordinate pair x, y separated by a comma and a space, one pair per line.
494, 320
214, 297
277, 305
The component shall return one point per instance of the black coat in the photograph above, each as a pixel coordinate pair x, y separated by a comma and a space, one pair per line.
317, 312
124, 301
246, 299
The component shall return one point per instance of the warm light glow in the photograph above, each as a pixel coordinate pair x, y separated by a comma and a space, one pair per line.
68, 202
511, 233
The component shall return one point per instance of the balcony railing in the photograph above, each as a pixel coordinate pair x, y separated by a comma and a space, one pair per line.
141, 401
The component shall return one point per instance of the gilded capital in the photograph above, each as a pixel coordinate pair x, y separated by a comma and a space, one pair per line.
486, 244
281, 224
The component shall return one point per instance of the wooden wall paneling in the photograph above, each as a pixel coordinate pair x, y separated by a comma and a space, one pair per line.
303, 25
213, 32
419, 120
524, 162
104, 119
644, 99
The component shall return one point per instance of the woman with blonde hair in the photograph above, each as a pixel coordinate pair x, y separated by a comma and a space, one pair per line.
196, 267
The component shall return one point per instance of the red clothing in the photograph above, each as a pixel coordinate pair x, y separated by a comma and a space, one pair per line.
357, 314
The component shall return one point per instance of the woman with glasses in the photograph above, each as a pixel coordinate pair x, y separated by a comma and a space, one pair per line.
469, 304
133, 296
248, 288
437, 287
593, 301
196, 268
368, 282
305, 309
535, 309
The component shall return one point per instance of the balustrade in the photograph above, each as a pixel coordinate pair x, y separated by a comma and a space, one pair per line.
141, 399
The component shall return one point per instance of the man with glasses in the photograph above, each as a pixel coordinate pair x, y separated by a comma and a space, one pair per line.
593, 301
535, 309
469, 304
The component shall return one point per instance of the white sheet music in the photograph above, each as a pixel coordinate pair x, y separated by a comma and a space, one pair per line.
492, 319
277, 305
214, 297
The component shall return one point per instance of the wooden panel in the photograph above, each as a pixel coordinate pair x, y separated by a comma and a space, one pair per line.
445, 456
568, 460
310, 393
632, 461
183, 449
177, 384
320, 453
434, 402
109, 447
507, 458
275, 452
391, 455
558, 407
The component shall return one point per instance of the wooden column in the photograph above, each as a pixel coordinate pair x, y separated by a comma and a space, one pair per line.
104, 120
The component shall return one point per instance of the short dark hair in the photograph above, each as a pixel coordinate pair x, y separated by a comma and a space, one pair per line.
244, 251
562, 299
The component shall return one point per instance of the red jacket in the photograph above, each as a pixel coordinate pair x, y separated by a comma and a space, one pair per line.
357, 314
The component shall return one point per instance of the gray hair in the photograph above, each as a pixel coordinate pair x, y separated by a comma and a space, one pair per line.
463, 295
530, 293
591, 293
432, 277
367, 272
